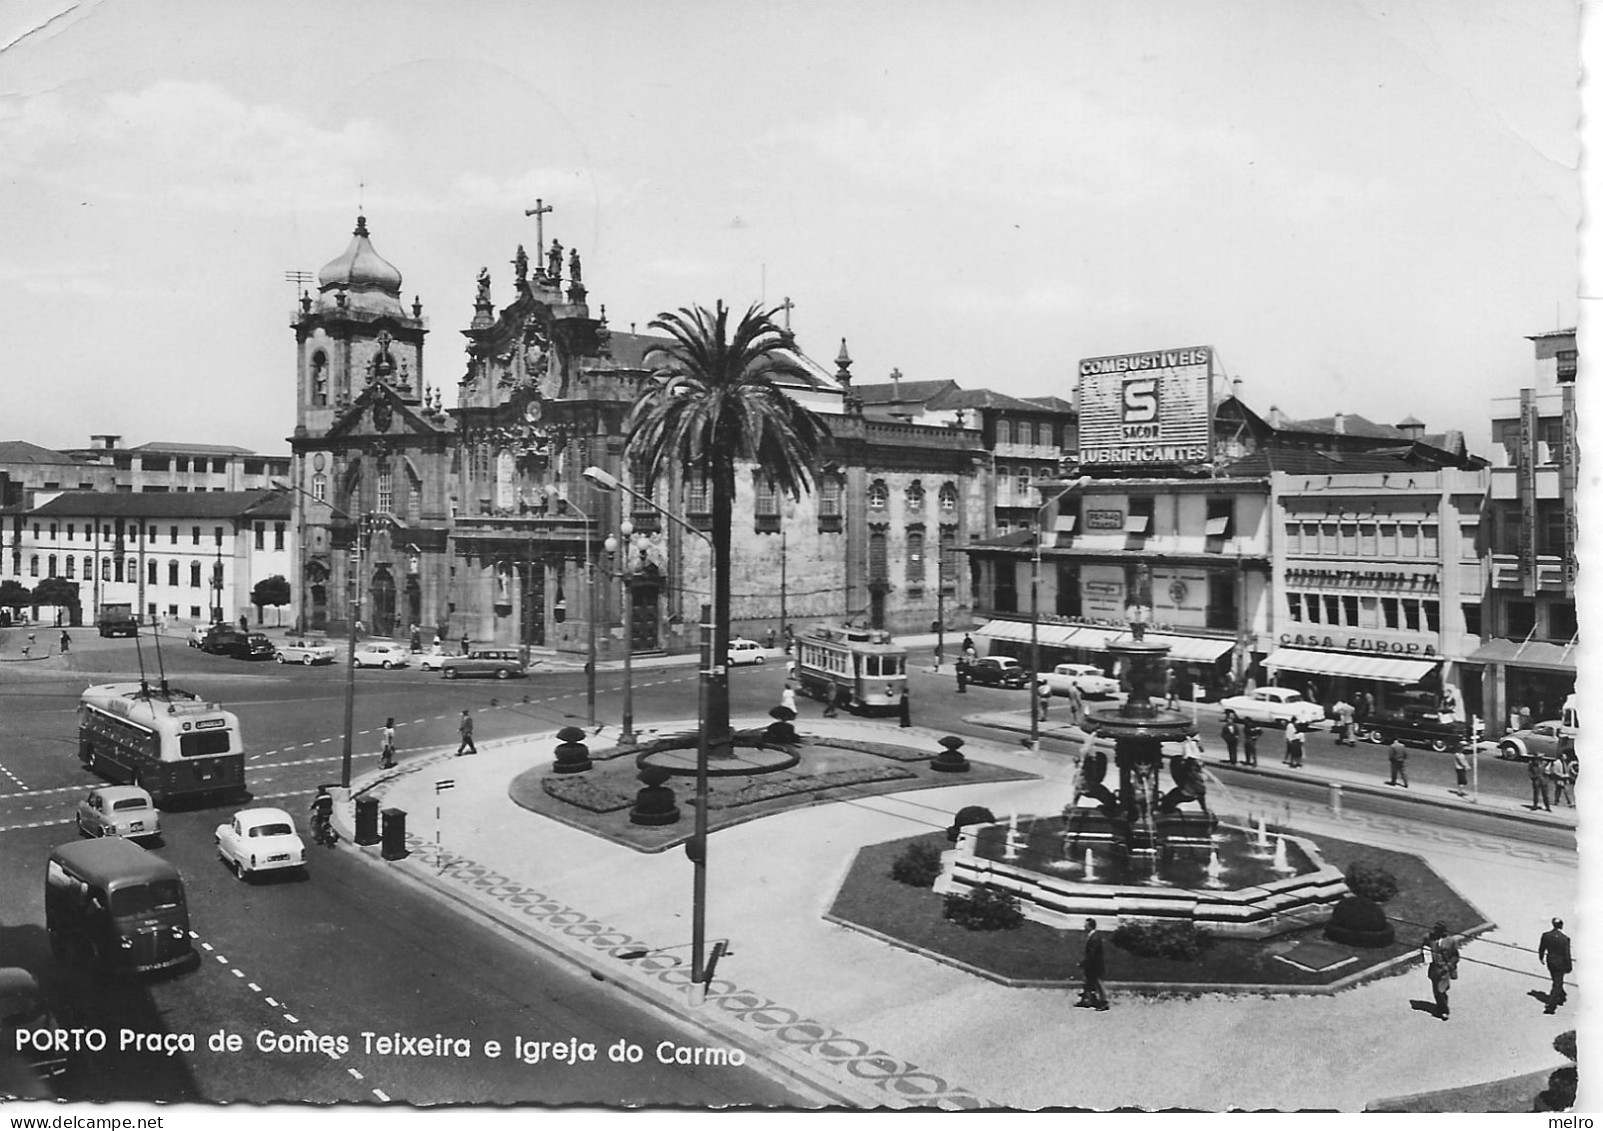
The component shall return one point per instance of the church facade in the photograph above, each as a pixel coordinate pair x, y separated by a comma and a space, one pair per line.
465, 513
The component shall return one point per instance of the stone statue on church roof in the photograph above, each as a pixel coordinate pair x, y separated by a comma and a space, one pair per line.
520, 265
484, 286
573, 266
554, 261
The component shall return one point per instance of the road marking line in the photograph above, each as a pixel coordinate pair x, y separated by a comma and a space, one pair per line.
219, 958
353, 1072
273, 1002
204, 945
292, 1020
254, 987
382, 1097
238, 973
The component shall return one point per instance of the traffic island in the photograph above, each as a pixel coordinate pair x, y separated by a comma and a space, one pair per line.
759, 779
1301, 960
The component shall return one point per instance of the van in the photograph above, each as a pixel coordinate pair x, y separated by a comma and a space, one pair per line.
117, 907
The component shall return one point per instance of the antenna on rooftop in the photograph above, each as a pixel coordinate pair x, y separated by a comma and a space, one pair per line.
299, 278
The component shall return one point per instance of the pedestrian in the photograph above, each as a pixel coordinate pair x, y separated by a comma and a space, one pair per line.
464, 644
787, 698
244, 624
906, 711
969, 651
1294, 744
1554, 952
465, 729
1249, 742
1366, 704
1168, 686
1398, 759
1231, 733
1093, 964
1461, 756
962, 677
831, 702
1558, 771
417, 639
1043, 692
1343, 711
770, 638
939, 656
66, 642
1440, 952
1538, 774
1076, 705
389, 744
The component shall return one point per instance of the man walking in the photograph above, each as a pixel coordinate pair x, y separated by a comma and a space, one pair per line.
962, 676
1398, 757
1538, 774
388, 734
1461, 756
1294, 740
465, 729
1554, 952
1249, 742
66, 642
1230, 732
1559, 770
464, 644
1440, 953
1092, 966
1344, 723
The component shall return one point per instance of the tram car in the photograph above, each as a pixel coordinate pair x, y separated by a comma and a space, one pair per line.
857, 668
170, 743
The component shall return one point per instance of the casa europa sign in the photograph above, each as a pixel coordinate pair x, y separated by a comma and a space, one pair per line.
1358, 644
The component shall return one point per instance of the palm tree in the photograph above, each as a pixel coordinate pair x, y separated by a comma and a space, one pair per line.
714, 405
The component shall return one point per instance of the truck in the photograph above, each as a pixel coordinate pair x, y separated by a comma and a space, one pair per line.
116, 618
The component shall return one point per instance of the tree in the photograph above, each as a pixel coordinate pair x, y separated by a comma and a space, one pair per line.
272, 591
57, 591
714, 404
14, 595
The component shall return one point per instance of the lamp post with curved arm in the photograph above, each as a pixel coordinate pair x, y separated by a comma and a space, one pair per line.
697, 848
1035, 609
590, 606
614, 543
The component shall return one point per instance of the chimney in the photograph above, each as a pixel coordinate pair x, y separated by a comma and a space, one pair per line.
1338, 424
1235, 387
1277, 419
105, 442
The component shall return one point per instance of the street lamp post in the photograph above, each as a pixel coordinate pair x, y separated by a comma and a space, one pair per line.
590, 615
697, 848
1035, 611
217, 587
626, 736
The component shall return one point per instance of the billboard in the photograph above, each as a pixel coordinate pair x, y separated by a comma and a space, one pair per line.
1147, 408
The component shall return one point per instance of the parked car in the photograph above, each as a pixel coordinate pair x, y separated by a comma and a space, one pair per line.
744, 651
1548, 739
305, 652
502, 663
1278, 705
118, 810
24, 1008
258, 647
260, 840
432, 661
197, 634
998, 671
1416, 726
1088, 679
223, 640
382, 654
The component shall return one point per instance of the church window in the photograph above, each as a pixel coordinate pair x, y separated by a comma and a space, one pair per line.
414, 497
319, 488
697, 497
319, 379
948, 561
915, 496
878, 495
915, 557
877, 557
948, 498
386, 490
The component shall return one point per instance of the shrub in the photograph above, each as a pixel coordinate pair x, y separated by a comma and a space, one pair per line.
985, 909
1564, 1044
587, 794
1560, 1092
969, 815
1359, 922
1371, 881
1180, 941
918, 865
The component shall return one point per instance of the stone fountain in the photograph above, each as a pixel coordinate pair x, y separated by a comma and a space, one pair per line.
1149, 852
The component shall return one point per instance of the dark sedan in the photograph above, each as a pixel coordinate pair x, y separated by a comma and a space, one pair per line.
1414, 728
999, 671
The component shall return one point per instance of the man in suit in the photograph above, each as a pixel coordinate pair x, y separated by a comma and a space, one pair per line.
1092, 965
1554, 952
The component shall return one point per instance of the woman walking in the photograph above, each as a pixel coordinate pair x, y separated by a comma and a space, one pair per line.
1440, 953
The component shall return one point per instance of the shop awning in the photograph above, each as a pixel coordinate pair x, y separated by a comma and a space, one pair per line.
1388, 669
1529, 654
1052, 635
1188, 649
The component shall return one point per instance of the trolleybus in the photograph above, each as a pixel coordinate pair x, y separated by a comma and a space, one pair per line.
171, 743
857, 668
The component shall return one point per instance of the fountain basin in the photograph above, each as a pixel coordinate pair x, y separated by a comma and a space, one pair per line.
1247, 899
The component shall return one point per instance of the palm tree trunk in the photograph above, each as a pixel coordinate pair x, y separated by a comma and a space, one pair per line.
718, 687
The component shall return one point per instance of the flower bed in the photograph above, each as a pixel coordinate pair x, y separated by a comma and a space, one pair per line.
880, 749
784, 787
587, 793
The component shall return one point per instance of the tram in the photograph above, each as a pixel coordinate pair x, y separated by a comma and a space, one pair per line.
169, 742
858, 668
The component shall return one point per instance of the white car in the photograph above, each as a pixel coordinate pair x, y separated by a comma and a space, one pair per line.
432, 661
743, 651
305, 652
197, 634
1278, 705
1088, 679
118, 810
260, 840
382, 654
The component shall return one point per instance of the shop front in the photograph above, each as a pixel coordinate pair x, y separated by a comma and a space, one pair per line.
1198, 661
1523, 682
1370, 678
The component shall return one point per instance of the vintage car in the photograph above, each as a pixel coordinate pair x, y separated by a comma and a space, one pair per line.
501, 663
306, 652
1278, 705
432, 661
1088, 679
1549, 739
998, 671
197, 634
744, 651
118, 810
382, 654
258, 647
226, 640
25, 1008
260, 840
1415, 726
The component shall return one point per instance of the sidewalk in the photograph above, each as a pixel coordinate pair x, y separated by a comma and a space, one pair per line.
868, 1024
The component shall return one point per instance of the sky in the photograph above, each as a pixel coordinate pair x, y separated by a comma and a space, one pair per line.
1364, 206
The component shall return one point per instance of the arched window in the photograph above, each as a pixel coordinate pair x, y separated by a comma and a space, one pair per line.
52, 566
72, 566
879, 495
877, 569
105, 569
172, 574
151, 572
915, 557
319, 378
194, 575
915, 496
33, 566
133, 569
948, 498
319, 487
829, 496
